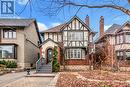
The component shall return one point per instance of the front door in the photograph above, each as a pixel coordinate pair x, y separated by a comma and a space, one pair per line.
49, 55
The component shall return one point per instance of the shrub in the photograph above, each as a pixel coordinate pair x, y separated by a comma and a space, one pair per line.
55, 64
9, 64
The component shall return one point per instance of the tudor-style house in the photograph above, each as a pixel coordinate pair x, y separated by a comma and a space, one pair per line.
71, 38
19, 39
118, 37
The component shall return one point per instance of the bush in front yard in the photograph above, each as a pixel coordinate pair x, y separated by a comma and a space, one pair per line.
55, 64
9, 64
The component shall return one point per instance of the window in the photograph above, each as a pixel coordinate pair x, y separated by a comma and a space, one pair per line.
127, 38
119, 55
9, 33
75, 53
7, 52
75, 36
128, 55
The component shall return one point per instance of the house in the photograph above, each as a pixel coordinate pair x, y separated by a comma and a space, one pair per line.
72, 40
118, 37
19, 40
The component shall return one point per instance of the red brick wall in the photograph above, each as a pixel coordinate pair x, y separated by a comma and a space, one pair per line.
77, 62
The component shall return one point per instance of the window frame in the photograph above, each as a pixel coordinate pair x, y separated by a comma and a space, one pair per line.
14, 50
11, 33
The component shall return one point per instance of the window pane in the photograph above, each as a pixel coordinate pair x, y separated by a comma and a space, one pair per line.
5, 34
14, 34
7, 52
10, 34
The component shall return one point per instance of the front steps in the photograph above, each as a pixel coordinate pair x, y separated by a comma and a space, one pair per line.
46, 68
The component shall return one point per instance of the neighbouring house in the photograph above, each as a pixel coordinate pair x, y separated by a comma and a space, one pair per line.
72, 40
118, 37
19, 40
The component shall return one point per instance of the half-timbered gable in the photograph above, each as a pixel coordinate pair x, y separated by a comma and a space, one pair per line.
76, 33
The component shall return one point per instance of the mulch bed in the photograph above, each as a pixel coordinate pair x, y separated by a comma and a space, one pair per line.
93, 79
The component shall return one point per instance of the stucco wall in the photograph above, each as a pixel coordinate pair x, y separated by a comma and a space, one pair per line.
31, 50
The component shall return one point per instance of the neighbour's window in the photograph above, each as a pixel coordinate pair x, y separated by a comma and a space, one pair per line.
127, 38
119, 55
9, 33
128, 55
7, 52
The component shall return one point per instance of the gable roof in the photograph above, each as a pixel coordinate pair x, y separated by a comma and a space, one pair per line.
59, 28
9, 22
128, 22
55, 29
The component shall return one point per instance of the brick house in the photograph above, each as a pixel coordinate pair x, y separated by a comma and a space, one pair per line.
118, 37
19, 39
72, 39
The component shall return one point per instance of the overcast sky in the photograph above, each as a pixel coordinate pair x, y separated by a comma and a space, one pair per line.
46, 21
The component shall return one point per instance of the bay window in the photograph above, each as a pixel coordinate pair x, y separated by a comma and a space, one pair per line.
75, 53
7, 52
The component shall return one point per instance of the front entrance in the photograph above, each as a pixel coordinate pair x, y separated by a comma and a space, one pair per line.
49, 55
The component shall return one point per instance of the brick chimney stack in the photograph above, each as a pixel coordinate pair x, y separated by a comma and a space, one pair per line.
87, 20
101, 26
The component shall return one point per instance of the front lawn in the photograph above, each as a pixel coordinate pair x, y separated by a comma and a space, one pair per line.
94, 79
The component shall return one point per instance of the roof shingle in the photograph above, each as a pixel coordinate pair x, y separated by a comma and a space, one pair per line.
16, 22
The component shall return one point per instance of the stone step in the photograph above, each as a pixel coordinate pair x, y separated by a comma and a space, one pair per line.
44, 71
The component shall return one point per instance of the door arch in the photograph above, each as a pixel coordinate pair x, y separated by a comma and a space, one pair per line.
49, 55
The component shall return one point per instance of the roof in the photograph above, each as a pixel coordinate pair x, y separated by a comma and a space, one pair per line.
9, 22
55, 29
110, 31
60, 27
58, 43
16, 22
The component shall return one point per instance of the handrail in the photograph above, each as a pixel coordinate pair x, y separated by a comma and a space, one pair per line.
40, 62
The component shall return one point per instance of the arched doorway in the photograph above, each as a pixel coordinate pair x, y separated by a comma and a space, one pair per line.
49, 55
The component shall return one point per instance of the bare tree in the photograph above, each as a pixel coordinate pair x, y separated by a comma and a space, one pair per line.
55, 6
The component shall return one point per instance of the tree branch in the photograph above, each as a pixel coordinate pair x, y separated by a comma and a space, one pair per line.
124, 10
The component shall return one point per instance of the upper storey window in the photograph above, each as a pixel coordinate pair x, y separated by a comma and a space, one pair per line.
75, 36
127, 38
9, 33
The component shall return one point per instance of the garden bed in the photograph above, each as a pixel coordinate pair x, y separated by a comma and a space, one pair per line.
94, 79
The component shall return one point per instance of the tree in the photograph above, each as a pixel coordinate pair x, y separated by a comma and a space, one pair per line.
56, 5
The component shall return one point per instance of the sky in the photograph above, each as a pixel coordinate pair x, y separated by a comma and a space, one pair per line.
46, 21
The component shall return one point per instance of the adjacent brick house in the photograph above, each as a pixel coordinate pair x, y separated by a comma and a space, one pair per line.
71, 38
19, 40
118, 37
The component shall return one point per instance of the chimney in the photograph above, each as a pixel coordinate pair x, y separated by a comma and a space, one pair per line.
87, 20
101, 26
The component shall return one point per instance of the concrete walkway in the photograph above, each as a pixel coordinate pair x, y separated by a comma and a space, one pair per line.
34, 80
8, 78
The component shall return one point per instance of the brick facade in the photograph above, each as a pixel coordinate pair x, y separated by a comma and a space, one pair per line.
77, 62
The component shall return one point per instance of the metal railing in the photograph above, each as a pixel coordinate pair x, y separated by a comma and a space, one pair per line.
40, 62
